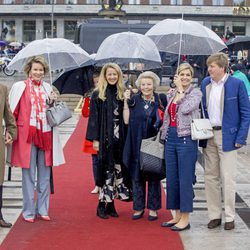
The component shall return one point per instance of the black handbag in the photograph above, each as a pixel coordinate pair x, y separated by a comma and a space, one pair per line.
152, 161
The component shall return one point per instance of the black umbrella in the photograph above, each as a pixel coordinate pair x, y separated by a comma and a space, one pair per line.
239, 43
75, 80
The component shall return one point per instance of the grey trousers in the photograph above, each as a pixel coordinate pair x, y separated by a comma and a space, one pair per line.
41, 205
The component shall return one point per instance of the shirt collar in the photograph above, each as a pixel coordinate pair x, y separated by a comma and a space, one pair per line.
221, 81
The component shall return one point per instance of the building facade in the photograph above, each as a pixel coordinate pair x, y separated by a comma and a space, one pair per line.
27, 20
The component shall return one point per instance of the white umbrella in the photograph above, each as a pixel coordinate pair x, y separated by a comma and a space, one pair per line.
15, 44
128, 47
182, 37
60, 54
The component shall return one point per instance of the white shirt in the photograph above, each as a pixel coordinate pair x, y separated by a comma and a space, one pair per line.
214, 109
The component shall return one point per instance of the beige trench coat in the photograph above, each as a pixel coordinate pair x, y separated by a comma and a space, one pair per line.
7, 122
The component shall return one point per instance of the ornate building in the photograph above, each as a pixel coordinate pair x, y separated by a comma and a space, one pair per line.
27, 20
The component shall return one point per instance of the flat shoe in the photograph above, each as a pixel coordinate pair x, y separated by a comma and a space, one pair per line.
167, 224
137, 216
44, 217
30, 220
178, 229
152, 218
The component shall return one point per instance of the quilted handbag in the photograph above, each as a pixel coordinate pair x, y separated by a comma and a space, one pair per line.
58, 113
152, 158
201, 129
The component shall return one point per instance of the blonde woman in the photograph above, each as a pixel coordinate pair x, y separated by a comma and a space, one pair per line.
180, 150
106, 130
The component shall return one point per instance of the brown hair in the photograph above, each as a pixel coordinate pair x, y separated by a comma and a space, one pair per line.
36, 59
185, 66
221, 59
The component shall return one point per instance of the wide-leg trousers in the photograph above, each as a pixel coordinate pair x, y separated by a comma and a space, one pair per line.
139, 195
181, 157
41, 205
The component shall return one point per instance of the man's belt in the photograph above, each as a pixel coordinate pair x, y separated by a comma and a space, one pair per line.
217, 128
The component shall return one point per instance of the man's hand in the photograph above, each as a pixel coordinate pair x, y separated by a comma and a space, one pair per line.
8, 138
237, 145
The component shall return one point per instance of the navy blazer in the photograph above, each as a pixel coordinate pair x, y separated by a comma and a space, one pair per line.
235, 111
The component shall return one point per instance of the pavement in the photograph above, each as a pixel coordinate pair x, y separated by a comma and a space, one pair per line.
199, 237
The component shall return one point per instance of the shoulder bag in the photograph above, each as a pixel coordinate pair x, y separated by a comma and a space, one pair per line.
201, 129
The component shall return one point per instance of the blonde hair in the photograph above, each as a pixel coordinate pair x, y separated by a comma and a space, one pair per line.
185, 66
36, 59
221, 59
103, 83
149, 75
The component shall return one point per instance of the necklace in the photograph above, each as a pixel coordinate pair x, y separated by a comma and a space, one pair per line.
147, 102
172, 116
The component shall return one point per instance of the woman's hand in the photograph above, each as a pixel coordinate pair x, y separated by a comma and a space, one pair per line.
52, 97
177, 82
127, 94
96, 145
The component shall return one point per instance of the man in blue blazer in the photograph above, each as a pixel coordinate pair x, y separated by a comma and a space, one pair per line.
226, 104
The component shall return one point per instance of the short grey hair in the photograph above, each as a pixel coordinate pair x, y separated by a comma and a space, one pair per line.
149, 75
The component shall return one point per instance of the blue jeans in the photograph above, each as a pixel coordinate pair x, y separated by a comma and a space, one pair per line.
94, 165
181, 156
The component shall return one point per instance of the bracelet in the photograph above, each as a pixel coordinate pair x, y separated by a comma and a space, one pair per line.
180, 92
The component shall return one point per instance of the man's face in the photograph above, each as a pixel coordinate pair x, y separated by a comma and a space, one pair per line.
215, 71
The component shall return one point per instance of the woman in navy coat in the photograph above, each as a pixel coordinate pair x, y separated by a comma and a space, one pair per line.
141, 114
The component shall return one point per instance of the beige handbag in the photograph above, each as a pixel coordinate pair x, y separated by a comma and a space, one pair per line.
201, 129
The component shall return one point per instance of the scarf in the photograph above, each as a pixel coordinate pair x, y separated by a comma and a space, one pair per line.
39, 129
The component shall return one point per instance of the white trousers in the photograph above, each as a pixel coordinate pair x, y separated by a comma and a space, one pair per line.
220, 172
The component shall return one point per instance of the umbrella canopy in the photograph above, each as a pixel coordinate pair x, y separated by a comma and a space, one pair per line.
60, 54
75, 80
239, 43
128, 47
182, 37
15, 44
3, 43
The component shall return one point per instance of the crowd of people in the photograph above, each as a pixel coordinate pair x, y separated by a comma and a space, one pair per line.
119, 119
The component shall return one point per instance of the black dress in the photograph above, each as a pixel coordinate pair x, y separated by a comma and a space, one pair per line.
106, 125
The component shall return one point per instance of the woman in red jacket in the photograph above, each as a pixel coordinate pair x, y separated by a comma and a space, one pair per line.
88, 145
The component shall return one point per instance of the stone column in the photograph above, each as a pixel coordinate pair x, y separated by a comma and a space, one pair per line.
19, 29
60, 28
248, 28
39, 29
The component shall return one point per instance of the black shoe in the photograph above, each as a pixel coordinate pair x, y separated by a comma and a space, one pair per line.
214, 223
178, 229
101, 211
137, 216
167, 224
229, 225
4, 223
110, 209
152, 218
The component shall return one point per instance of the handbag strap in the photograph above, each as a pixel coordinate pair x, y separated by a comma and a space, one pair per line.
202, 110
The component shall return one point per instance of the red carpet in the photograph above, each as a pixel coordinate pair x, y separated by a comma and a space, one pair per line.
74, 223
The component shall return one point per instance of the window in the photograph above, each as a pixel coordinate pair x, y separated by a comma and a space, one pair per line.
69, 29
92, 1
154, 2
29, 31
197, 2
8, 1
47, 28
239, 28
218, 28
133, 1
49, 1
176, 2
8, 30
29, 1
239, 2
70, 1
218, 2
